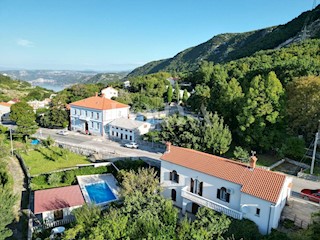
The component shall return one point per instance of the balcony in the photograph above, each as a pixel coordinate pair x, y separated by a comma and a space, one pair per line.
210, 204
84, 118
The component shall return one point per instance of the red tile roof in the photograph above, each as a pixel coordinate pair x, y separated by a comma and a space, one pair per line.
57, 198
257, 182
99, 103
5, 104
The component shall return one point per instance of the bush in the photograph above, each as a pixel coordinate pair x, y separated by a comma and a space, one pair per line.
243, 229
130, 164
54, 179
293, 148
241, 154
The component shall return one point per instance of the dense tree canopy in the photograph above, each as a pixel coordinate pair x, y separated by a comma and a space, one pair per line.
304, 106
25, 118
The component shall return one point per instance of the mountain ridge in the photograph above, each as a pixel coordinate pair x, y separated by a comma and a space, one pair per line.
231, 46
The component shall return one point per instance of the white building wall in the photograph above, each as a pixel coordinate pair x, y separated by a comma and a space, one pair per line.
109, 92
4, 111
49, 215
143, 129
109, 115
210, 185
269, 213
126, 134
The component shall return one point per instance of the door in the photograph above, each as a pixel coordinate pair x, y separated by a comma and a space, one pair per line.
195, 208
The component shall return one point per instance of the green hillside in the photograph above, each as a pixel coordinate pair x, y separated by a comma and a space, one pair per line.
22, 90
231, 46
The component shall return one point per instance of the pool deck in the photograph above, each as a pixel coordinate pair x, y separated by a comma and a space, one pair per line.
108, 178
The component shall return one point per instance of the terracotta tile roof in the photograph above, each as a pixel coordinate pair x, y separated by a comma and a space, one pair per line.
5, 104
257, 182
57, 198
99, 103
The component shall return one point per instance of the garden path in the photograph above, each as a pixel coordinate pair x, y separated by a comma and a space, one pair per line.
22, 199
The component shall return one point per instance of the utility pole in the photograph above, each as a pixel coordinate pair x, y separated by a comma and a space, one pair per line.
11, 141
315, 149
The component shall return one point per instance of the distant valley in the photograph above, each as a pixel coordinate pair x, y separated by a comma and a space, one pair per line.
57, 80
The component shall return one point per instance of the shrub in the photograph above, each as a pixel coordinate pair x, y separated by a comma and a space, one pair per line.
54, 179
241, 154
294, 148
243, 229
129, 164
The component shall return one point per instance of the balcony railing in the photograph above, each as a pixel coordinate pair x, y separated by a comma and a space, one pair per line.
210, 204
64, 221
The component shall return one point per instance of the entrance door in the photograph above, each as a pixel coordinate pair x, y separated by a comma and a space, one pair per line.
121, 136
195, 208
86, 126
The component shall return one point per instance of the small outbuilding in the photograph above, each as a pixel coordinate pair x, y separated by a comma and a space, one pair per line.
56, 204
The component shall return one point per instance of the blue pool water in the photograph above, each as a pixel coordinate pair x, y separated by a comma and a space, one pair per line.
35, 142
100, 193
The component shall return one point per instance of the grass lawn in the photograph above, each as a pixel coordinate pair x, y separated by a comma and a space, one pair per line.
43, 159
267, 160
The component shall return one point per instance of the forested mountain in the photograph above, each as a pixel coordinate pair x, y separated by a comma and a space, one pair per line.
106, 77
231, 46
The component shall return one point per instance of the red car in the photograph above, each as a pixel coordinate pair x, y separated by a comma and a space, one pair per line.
312, 195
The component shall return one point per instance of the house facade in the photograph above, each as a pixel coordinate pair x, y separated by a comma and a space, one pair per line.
5, 111
56, 204
193, 179
128, 129
109, 92
92, 115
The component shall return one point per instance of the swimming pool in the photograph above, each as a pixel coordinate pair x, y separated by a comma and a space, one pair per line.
100, 192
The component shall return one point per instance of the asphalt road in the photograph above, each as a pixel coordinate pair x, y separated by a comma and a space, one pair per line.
98, 143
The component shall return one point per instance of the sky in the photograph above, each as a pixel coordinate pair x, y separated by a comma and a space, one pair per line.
116, 35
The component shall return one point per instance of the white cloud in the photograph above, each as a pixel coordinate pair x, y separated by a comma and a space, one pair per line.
25, 43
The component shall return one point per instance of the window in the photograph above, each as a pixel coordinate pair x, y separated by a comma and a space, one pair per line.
91, 114
258, 212
130, 138
97, 115
112, 133
196, 186
91, 124
223, 195
174, 195
174, 176
58, 214
126, 136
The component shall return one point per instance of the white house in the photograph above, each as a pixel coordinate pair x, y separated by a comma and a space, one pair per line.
192, 179
92, 115
56, 204
126, 84
128, 129
4, 111
109, 92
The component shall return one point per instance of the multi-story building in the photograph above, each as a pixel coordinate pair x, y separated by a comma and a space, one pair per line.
92, 115
193, 179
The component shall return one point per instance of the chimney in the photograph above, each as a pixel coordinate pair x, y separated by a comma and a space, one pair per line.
103, 95
168, 145
253, 160
96, 94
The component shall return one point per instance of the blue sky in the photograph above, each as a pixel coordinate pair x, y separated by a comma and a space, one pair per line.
112, 35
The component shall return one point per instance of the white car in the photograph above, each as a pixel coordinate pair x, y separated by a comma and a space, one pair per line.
131, 145
63, 132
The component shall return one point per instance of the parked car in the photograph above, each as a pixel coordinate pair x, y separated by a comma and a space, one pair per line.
131, 145
312, 195
63, 132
